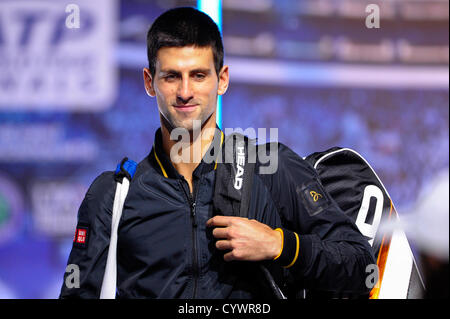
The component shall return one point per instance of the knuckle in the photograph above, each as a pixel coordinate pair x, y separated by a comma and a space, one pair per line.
237, 254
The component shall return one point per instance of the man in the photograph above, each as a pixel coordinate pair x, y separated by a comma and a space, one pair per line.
171, 242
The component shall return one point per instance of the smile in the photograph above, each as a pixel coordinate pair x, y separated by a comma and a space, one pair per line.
186, 107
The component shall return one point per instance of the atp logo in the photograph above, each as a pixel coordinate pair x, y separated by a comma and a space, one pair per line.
316, 196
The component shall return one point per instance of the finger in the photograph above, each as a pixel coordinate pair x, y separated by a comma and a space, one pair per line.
219, 221
220, 232
228, 256
223, 245
233, 255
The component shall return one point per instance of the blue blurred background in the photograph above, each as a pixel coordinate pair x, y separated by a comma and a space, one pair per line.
72, 102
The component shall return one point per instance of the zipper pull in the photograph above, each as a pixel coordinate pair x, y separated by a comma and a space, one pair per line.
193, 214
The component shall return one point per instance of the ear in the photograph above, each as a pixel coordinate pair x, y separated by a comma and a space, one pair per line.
148, 82
224, 79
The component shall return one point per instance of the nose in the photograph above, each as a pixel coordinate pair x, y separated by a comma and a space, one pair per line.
184, 92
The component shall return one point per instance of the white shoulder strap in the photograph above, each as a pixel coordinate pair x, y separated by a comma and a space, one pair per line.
108, 290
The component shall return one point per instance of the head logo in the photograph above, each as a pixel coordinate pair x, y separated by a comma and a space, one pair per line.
240, 167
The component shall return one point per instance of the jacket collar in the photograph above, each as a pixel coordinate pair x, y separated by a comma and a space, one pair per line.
163, 164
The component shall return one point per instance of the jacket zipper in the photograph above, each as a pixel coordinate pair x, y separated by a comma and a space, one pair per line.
192, 205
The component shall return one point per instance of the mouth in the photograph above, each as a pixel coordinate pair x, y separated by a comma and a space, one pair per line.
185, 107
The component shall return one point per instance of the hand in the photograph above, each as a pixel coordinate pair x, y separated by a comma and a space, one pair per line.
246, 239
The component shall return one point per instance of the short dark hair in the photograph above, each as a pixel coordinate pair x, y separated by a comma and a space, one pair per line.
181, 27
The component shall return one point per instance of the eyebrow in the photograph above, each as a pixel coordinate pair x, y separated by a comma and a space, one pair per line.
199, 70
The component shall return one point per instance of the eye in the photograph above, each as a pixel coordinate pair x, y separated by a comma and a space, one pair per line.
199, 76
170, 77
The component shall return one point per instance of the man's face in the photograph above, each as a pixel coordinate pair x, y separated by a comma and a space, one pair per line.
186, 84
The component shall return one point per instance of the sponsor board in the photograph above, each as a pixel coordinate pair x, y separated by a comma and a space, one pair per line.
55, 205
48, 61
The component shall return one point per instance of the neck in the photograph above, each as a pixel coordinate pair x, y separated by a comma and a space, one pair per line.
191, 150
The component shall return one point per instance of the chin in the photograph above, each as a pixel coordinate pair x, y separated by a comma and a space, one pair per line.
186, 124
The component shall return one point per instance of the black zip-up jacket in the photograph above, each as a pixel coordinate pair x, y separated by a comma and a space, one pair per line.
165, 249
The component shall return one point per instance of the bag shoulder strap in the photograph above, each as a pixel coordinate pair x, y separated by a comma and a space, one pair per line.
123, 175
233, 187
234, 176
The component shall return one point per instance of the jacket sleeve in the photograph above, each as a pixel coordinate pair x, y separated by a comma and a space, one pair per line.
322, 247
87, 259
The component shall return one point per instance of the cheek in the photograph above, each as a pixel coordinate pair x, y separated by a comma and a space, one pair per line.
164, 96
210, 92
